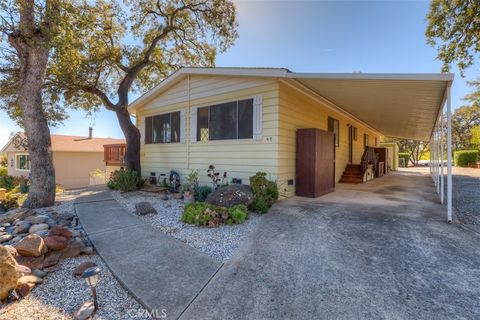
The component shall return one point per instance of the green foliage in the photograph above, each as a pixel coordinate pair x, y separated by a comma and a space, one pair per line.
125, 180
7, 182
3, 172
265, 192
463, 157
202, 192
204, 214
454, 28
475, 137
405, 156
191, 183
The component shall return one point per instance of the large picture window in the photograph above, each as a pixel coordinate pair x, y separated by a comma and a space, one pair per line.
163, 128
22, 162
334, 126
226, 121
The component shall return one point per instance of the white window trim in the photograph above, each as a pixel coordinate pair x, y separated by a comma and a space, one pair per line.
257, 120
16, 164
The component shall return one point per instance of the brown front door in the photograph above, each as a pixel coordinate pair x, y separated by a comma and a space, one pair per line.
350, 143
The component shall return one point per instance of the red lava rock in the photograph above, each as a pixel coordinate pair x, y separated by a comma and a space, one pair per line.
82, 267
52, 258
55, 243
31, 246
60, 231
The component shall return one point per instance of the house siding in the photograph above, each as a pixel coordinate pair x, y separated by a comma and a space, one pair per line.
239, 158
298, 110
285, 110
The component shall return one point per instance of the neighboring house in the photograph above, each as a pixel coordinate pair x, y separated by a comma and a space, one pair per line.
74, 158
245, 120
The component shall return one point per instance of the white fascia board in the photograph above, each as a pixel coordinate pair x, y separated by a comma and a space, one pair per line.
376, 76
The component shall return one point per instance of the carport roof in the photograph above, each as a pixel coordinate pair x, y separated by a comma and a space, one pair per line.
398, 105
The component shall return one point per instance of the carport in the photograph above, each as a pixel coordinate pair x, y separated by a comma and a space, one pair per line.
409, 106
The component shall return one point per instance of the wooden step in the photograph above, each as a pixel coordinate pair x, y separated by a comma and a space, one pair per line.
352, 174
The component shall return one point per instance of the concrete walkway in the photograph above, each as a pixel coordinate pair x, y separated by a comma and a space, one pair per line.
381, 250
160, 271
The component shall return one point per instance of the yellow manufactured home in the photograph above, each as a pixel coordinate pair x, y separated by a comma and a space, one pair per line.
261, 138
245, 120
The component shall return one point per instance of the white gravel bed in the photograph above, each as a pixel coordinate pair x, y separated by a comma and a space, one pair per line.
61, 294
220, 242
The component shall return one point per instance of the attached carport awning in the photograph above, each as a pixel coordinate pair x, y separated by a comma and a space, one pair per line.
397, 105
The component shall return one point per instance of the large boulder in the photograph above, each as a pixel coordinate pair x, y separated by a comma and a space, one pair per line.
231, 195
8, 272
31, 262
31, 246
143, 208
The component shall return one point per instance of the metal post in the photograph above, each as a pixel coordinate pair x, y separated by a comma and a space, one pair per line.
442, 151
449, 156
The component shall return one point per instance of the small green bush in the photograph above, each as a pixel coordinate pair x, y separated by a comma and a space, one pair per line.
406, 158
202, 192
265, 192
3, 171
204, 214
125, 180
464, 157
7, 182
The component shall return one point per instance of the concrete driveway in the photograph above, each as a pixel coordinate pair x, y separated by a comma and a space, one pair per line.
381, 250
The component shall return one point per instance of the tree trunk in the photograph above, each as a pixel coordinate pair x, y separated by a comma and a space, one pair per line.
132, 136
33, 63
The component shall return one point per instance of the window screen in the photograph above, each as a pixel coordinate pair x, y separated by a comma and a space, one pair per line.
223, 121
163, 128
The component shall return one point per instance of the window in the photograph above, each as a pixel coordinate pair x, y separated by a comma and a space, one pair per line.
355, 133
376, 141
226, 121
334, 126
23, 162
163, 128
365, 140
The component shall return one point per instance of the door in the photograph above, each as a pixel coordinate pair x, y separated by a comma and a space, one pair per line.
350, 144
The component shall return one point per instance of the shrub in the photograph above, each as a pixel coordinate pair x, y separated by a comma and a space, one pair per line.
7, 182
202, 192
406, 158
125, 180
464, 157
204, 214
3, 172
265, 192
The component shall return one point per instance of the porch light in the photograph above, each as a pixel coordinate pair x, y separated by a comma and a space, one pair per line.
91, 276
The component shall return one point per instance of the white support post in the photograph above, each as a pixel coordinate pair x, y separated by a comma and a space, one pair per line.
442, 151
438, 158
449, 156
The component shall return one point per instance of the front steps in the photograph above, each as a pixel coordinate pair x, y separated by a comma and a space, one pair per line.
352, 174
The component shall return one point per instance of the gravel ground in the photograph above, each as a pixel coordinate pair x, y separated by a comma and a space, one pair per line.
61, 294
466, 195
219, 243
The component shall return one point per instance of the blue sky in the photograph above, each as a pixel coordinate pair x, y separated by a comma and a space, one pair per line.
311, 36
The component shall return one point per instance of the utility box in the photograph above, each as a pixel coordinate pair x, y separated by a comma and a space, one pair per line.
3, 195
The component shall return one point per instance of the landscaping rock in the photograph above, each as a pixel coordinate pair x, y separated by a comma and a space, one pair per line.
22, 227
5, 238
38, 227
31, 246
143, 208
42, 233
60, 231
231, 195
24, 270
39, 273
12, 250
55, 243
85, 311
75, 248
31, 262
37, 219
24, 289
16, 214
30, 279
82, 267
9, 272
52, 258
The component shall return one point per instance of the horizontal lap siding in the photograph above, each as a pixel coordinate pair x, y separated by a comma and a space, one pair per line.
297, 110
240, 158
